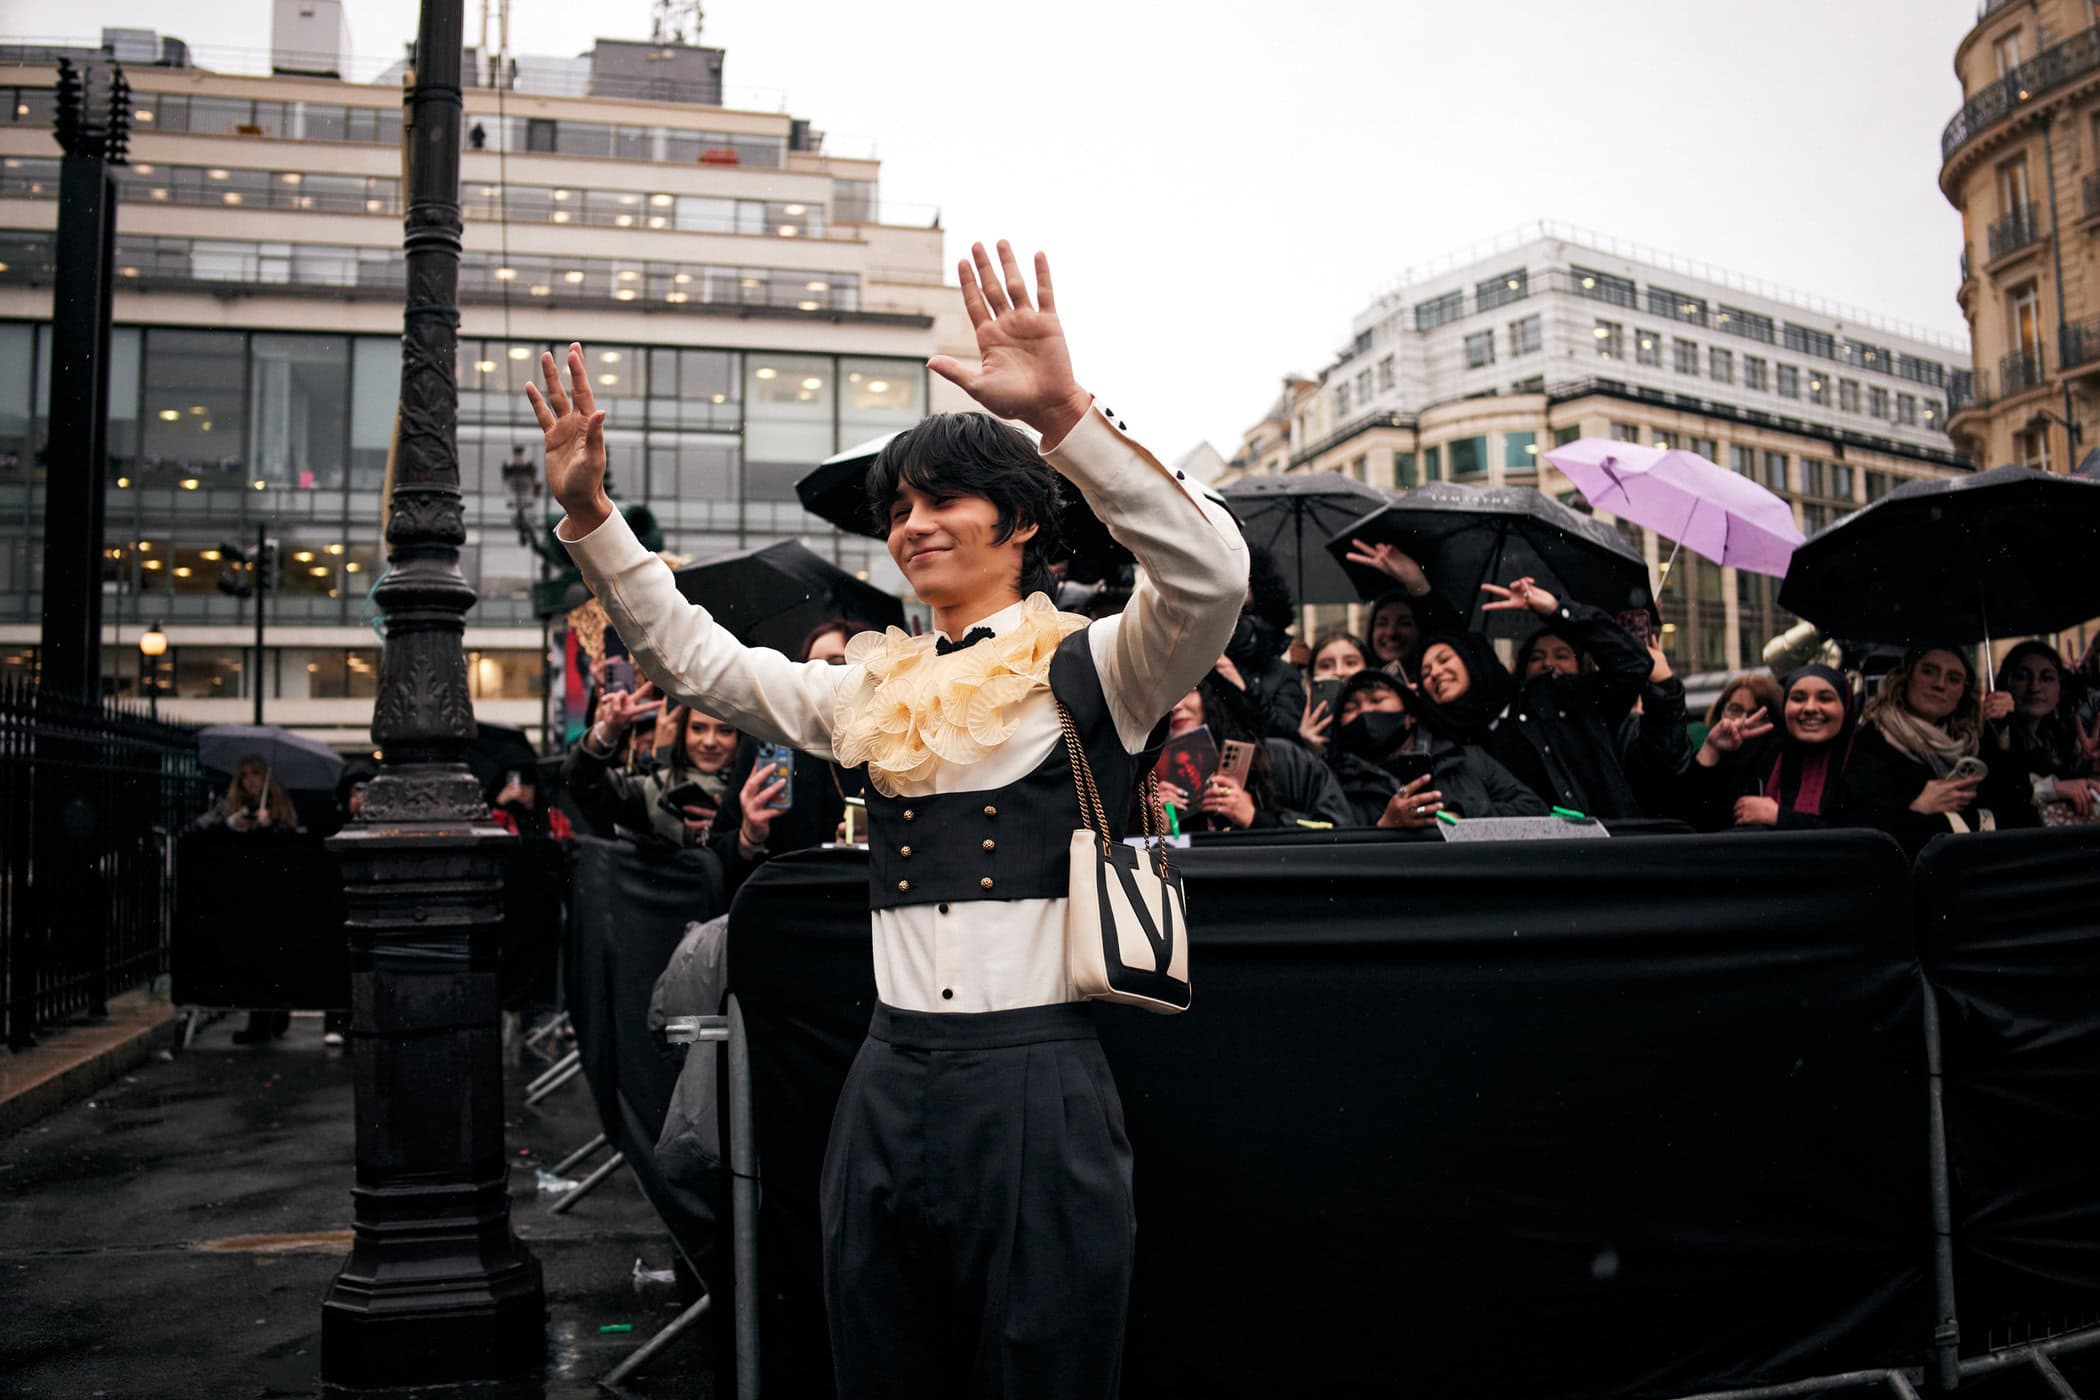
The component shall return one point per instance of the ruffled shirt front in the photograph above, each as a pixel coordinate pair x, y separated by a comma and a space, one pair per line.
905, 708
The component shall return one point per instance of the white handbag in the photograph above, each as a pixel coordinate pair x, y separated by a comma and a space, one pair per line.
1126, 921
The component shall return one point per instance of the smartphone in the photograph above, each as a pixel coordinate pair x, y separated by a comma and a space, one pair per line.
781, 759
684, 799
1235, 761
1409, 766
1326, 690
1969, 767
619, 673
1639, 623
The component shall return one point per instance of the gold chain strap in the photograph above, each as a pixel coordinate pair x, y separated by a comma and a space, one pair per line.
1090, 807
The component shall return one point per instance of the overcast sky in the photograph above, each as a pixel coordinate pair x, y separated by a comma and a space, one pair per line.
1222, 185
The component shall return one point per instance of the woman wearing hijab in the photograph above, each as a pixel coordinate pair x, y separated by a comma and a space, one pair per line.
1402, 757
1561, 734
1753, 772
1914, 771
2039, 772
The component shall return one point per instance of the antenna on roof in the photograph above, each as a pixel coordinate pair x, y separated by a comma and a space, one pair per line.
676, 22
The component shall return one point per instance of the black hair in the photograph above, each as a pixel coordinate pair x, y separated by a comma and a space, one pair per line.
1270, 592
1367, 679
974, 454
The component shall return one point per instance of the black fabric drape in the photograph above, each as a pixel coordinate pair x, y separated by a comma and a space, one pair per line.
2012, 945
258, 922
1633, 1117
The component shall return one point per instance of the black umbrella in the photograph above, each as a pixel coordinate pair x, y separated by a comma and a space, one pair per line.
1464, 536
1292, 518
773, 595
2004, 553
497, 751
837, 492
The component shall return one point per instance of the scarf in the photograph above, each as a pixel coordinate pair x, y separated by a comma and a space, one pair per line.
1921, 740
1802, 773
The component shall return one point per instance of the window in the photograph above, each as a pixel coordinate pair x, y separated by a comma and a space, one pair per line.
1404, 470
1664, 440
1742, 461
1385, 375
539, 134
1907, 410
1602, 286
1747, 324
1810, 341
375, 388
1648, 348
1775, 471
1866, 355
788, 406
1819, 389
1753, 372
1789, 382
1677, 306
1625, 432
2005, 52
1878, 485
1525, 336
1814, 477
1611, 340
1500, 291
1468, 457
1363, 385
1721, 365
1341, 399
1848, 395
314, 674
1448, 307
16, 358
1363, 342
1687, 355
1530, 384
1878, 402
879, 396
1706, 448
2024, 304
1520, 452
298, 416
2031, 449
2014, 192
1432, 464
1921, 371
195, 406
1841, 481
1480, 349
1563, 436
1933, 411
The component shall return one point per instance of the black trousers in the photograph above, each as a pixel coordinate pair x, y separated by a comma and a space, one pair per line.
977, 1215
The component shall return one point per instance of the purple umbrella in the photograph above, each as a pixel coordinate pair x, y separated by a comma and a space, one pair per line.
1681, 496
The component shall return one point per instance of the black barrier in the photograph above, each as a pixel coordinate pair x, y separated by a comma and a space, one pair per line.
1627, 1118
259, 921
629, 908
2010, 934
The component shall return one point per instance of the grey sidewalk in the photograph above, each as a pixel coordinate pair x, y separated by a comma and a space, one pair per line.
173, 1235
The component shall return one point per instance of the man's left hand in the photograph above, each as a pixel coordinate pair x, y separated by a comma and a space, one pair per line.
1024, 369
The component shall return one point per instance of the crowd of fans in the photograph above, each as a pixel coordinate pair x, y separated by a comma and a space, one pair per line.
1425, 720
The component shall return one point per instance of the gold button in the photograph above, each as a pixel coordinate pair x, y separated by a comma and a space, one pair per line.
990, 844
903, 886
985, 883
991, 811
904, 851
909, 814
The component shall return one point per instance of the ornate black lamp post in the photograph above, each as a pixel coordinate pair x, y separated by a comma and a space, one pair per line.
437, 1291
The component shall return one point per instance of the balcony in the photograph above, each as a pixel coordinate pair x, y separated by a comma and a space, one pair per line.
2051, 69
2015, 233
2078, 348
2020, 371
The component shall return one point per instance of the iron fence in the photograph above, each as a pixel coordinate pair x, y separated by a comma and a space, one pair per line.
91, 798
2050, 69
2020, 371
2022, 228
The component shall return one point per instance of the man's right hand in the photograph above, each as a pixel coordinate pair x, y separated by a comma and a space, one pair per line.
575, 430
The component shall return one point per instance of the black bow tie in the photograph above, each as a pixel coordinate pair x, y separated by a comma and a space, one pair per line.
942, 646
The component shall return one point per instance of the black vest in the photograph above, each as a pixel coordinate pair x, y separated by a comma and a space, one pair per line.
1011, 842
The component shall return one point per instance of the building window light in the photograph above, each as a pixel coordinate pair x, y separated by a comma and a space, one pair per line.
540, 289
291, 177
572, 276
506, 274
559, 216
675, 297
788, 230
518, 352
625, 294
217, 174
660, 201
768, 372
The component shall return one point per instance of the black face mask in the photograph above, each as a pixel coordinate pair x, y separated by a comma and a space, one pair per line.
1374, 734
1253, 640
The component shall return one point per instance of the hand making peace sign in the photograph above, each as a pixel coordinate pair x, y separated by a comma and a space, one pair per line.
1024, 370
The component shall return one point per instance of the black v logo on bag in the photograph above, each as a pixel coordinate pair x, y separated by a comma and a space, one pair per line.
1160, 934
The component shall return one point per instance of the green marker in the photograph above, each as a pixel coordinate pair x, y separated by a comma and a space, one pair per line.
1570, 813
1447, 818
1173, 819
616, 1327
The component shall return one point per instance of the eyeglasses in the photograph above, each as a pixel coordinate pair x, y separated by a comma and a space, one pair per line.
1733, 711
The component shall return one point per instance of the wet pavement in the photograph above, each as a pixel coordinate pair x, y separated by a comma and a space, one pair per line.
174, 1235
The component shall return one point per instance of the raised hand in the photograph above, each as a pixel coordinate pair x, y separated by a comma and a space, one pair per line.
575, 430
1411, 808
1997, 704
1024, 370
1658, 662
1524, 594
1392, 562
1228, 671
1313, 724
1736, 730
756, 797
1944, 795
1228, 801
